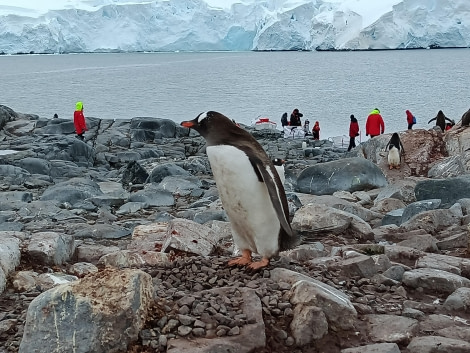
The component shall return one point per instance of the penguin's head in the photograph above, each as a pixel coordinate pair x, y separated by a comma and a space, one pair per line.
278, 161
211, 124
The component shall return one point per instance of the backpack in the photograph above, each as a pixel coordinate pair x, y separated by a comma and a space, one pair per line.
414, 120
284, 121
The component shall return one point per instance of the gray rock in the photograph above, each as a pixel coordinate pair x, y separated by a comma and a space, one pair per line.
35, 165
308, 324
51, 248
350, 174
307, 291
391, 328
449, 190
393, 217
459, 300
402, 190
90, 315
9, 257
153, 197
72, 191
133, 174
374, 348
434, 281
190, 237
428, 344
101, 231
419, 206
433, 221
449, 167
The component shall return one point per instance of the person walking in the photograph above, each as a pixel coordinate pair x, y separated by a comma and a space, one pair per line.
316, 131
353, 132
79, 120
375, 124
295, 118
410, 119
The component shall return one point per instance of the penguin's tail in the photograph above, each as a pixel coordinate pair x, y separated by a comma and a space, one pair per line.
287, 241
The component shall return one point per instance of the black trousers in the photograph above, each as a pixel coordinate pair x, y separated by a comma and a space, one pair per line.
410, 126
352, 143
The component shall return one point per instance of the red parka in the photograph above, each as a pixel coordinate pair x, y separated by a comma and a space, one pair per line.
375, 124
409, 117
79, 119
353, 129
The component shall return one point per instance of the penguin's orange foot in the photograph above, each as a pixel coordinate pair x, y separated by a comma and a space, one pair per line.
391, 167
254, 266
244, 260
239, 261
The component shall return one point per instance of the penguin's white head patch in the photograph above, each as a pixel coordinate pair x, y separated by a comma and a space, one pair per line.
203, 116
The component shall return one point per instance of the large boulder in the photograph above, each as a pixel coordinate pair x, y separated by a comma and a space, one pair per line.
448, 190
6, 115
72, 191
103, 312
349, 174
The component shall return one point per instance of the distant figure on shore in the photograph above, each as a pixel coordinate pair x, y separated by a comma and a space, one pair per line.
55, 116
441, 120
375, 124
353, 132
316, 131
449, 126
284, 121
295, 118
307, 127
79, 120
410, 119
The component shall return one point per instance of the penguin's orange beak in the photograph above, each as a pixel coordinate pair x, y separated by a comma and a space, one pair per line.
188, 124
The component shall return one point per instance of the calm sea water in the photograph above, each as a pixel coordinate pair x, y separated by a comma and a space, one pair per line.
325, 86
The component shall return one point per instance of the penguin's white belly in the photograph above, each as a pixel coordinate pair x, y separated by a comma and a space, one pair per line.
246, 200
394, 157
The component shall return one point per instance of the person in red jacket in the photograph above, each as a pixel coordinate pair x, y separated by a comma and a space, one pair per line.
375, 124
353, 132
410, 119
79, 120
316, 131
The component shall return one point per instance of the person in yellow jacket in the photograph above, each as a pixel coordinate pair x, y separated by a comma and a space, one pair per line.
79, 120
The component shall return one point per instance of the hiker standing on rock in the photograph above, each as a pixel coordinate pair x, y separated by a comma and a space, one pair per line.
79, 120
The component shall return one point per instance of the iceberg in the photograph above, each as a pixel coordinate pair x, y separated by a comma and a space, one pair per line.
79, 26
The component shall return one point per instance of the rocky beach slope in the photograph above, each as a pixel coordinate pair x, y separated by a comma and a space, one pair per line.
119, 243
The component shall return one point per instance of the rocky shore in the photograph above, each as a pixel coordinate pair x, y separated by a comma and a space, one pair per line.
119, 243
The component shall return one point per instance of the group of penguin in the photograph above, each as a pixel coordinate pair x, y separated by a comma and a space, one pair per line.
251, 186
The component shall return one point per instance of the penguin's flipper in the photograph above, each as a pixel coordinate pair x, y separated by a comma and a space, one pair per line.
274, 193
432, 120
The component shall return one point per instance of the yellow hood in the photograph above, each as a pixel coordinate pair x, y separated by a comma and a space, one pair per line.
79, 106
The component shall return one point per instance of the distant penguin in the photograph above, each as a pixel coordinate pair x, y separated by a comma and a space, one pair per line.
249, 187
466, 118
395, 149
279, 165
441, 120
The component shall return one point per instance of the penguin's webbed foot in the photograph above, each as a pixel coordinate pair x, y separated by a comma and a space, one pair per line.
244, 260
254, 266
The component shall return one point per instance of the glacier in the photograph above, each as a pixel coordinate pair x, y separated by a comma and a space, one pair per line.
197, 25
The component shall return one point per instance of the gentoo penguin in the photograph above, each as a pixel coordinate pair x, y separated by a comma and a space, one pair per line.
395, 149
441, 120
466, 118
249, 187
279, 165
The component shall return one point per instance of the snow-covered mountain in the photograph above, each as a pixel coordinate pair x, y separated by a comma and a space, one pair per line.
198, 25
